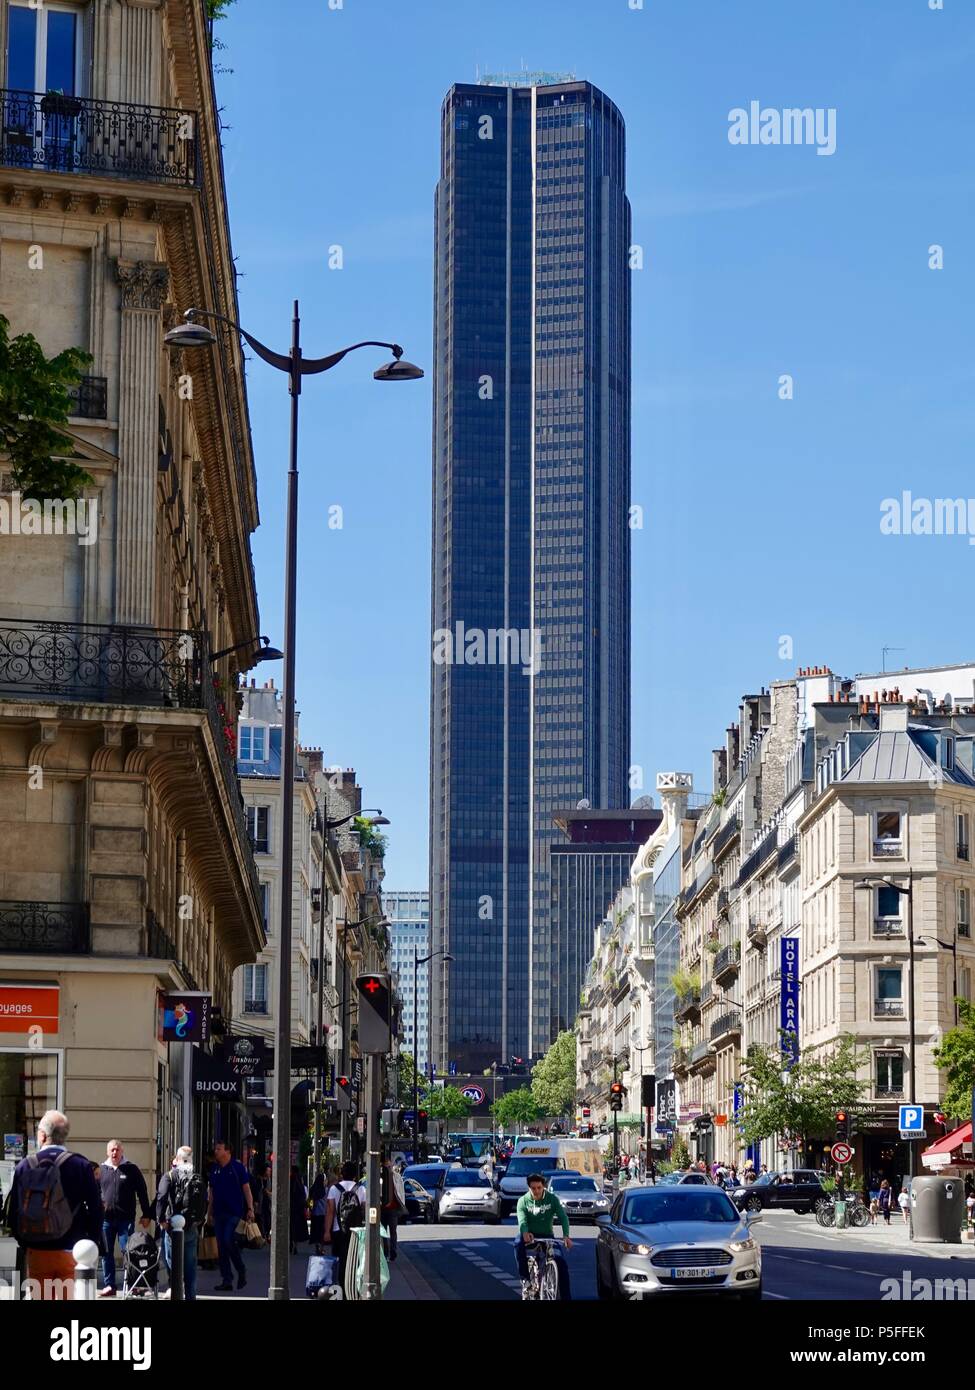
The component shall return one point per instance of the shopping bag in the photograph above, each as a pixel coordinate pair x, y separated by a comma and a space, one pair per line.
207, 1252
320, 1275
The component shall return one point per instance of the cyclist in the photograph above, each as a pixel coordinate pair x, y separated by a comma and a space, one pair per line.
538, 1211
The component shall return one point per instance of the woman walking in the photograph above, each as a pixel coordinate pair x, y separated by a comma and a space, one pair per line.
318, 1199
299, 1201
884, 1200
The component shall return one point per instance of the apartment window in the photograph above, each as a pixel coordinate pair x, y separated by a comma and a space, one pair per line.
948, 754
887, 917
887, 843
44, 48
255, 989
252, 743
889, 1073
961, 836
888, 1000
259, 828
964, 912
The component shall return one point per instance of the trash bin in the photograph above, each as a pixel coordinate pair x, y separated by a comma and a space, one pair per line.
839, 1208
938, 1208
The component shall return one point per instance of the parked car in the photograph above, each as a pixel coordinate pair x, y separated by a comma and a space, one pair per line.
419, 1202
431, 1177
693, 1177
680, 1238
801, 1190
581, 1195
466, 1192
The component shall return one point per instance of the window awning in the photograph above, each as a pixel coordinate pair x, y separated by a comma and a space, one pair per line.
948, 1151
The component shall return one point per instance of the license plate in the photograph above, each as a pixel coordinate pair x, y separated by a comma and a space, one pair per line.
692, 1274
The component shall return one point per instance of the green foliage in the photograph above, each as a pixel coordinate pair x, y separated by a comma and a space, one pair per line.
446, 1103
684, 982
800, 1102
516, 1109
680, 1154
369, 837
554, 1077
217, 9
956, 1057
405, 1073
34, 402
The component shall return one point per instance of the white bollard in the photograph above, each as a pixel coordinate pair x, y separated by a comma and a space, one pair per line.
86, 1258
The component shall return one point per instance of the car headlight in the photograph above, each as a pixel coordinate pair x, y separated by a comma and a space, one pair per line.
738, 1245
601, 1202
628, 1249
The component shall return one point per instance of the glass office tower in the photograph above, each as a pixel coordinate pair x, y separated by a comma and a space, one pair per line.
531, 568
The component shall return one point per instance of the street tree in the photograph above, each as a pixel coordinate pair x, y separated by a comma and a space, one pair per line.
798, 1101
554, 1077
35, 402
446, 1103
405, 1075
955, 1056
517, 1109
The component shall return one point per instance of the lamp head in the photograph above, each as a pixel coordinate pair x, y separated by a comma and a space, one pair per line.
398, 370
190, 335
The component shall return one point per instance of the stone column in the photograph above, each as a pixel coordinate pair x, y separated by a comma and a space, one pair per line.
140, 52
144, 287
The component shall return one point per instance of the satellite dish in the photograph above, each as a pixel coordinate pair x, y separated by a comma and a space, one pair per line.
642, 803
584, 805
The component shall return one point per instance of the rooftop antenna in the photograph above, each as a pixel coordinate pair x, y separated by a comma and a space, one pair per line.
885, 651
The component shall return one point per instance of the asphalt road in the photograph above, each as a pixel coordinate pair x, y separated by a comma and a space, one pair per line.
800, 1261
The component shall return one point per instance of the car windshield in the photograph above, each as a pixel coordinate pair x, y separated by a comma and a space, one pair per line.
425, 1174
690, 1204
573, 1185
466, 1177
763, 1181
521, 1167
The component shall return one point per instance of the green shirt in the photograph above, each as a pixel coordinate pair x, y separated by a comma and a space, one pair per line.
540, 1217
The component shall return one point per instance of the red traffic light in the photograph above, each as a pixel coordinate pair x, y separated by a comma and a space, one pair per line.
586, 1112
344, 1082
616, 1088
841, 1117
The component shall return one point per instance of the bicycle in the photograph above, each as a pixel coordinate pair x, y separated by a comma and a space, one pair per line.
542, 1284
856, 1213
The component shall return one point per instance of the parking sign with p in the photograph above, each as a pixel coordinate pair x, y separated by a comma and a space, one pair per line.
911, 1121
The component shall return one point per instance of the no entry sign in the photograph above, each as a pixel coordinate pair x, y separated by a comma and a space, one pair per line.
841, 1153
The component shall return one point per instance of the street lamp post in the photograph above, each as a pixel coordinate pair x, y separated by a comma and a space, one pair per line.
189, 334
907, 893
419, 960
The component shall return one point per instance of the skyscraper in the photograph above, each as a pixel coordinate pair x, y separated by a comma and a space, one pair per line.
531, 569
408, 915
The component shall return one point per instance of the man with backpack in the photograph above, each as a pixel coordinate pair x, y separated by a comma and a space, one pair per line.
345, 1212
182, 1192
54, 1202
122, 1184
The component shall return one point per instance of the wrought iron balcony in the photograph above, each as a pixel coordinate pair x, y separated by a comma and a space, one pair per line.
255, 1006
727, 1026
702, 1058
111, 664
680, 1061
161, 946
90, 398
726, 963
888, 848
888, 926
788, 852
110, 139
888, 1008
757, 933
44, 928
687, 1007
726, 835
962, 848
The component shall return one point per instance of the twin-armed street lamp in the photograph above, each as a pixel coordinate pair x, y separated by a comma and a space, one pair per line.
419, 960
193, 334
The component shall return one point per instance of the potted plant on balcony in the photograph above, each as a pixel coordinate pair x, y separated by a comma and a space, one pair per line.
55, 103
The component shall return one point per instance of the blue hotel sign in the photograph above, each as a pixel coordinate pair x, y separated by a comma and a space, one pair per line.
789, 1020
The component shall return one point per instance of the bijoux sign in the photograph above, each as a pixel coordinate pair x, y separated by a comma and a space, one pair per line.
213, 1080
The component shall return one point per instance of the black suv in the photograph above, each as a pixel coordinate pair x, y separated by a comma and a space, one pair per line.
800, 1191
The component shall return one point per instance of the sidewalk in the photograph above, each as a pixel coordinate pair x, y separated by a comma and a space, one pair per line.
406, 1283
893, 1238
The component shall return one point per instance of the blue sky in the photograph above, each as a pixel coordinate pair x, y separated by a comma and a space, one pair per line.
762, 516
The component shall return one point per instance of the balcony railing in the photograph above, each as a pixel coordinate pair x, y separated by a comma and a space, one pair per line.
726, 962
757, 932
101, 664
687, 1006
112, 139
888, 1008
888, 1091
788, 852
888, 926
44, 928
728, 1025
962, 848
161, 946
90, 398
255, 1006
681, 1059
726, 835
758, 856
888, 849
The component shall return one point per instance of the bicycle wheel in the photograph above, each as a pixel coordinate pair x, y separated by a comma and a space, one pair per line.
827, 1217
548, 1290
859, 1216
529, 1286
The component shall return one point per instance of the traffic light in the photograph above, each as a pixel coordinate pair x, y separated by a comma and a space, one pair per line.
375, 1013
842, 1126
343, 1093
648, 1092
616, 1096
586, 1112
390, 1123
421, 1121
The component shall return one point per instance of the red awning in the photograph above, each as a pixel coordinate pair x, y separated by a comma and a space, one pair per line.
949, 1144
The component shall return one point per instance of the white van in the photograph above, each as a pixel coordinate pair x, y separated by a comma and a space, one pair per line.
534, 1155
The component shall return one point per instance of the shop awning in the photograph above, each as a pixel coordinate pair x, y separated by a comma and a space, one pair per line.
948, 1151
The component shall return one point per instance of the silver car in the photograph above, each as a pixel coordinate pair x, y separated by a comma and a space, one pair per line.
466, 1192
679, 1239
581, 1196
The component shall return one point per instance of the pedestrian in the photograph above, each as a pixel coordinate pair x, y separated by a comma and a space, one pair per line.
394, 1204
122, 1184
298, 1205
54, 1202
970, 1206
259, 1193
345, 1212
904, 1202
229, 1201
318, 1200
874, 1211
884, 1198
182, 1192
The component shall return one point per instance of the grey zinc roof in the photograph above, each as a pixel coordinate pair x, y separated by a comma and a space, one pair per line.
893, 756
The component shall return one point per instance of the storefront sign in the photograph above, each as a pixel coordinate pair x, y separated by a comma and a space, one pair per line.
23, 1007
246, 1056
213, 1080
666, 1114
789, 1019
186, 1017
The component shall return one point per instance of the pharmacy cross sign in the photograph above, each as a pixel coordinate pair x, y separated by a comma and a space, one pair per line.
371, 985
